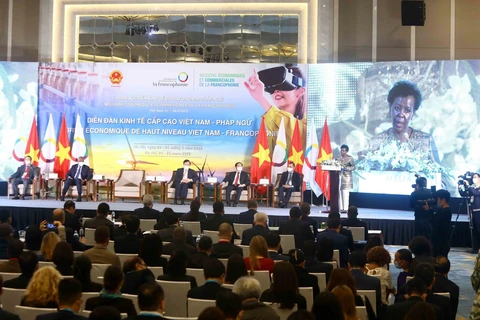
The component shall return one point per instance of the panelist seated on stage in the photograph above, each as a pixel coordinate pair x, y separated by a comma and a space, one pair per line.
25, 175
289, 182
238, 181
184, 180
77, 175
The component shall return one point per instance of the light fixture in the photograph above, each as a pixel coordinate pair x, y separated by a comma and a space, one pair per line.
209, 20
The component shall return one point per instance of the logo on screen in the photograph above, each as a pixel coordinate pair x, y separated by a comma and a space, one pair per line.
116, 77
182, 77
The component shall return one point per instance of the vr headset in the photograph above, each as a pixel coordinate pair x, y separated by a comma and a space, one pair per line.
280, 78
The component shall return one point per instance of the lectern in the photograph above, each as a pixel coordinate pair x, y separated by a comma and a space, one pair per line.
334, 185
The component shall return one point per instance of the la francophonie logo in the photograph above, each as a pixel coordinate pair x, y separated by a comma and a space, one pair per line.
183, 77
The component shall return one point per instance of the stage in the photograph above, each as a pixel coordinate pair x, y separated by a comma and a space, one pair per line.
396, 225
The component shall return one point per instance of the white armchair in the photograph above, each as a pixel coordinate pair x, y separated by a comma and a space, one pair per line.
129, 184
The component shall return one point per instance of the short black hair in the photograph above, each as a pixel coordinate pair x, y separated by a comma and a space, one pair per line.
213, 268
443, 194
417, 286
68, 204
333, 223
69, 291
186, 160
405, 254
112, 278
63, 254
334, 215
295, 213
150, 296
171, 219
352, 211
33, 237
421, 182
102, 234
305, 207
28, 262
230, 303
442, 265
420, 246
425, 272
344, 146
273, 239
28, 157
15, 248
404, 89
103, 208
205, 243
132, 224
252, 203
218, 207
237, 163
105, 313
4, 215
357, 259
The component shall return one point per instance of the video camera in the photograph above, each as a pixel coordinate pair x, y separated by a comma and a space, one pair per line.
464, 182
422, 181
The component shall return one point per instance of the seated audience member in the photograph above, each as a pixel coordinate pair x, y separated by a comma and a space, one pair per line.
246, 217
260, 228
179, 242
378, 258
151, 302
325, 250
236, 268
211, 313
248, 288
214, 272
327, 307
297, 259
301, 315
340, 242
162, 221
72, 220
101, 219
150, 251
258, 259
213, 223
136, 274
105, 313
311, 264
82, 267
356, 265
28, 265
69, 302
347, 302
42, 291
231, 305
6, 234
374, 241
5, 315
15, 249
273, 245
121, 231
33, 240
353, 221
204, 247
305, 207
421, 310
343, 231
168, 235
341, 277
6, 218
100, 253
63, 258
194, 214
443, 284
224, 248
49, 243
421, 248
417, 292
131, 242
284, 288
296, 227
58, 219
111, 295
147, 212
177, 269
403, 261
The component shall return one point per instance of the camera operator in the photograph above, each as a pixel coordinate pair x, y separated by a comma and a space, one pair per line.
423, 213
474, 191
441, 224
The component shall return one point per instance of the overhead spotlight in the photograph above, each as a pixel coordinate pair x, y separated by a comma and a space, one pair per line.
193, 49
173, 49
200, 51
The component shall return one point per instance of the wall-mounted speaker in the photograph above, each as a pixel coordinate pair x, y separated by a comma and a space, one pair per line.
414, 13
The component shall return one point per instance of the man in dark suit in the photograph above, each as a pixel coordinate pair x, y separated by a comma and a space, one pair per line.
167, 235
213, 223
260, 228
26, 174
311, 264
246, 217
214, 272
69, 302
131, 242
72, 220
184, 180
179, 243
77, 175
151, 302
343, 231
28, 265
147, 212
6, 217
273, 244
443, 284
101, 219
356, 265
340, 242
5, 315
289, 182
295, 226
223, 249
204, 247
237, 180
15, 249
305, 207
353, 221
6, 235
297, 258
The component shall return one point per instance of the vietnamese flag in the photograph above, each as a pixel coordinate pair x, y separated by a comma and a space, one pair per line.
325, 153
261, 166
33, 147
295, 154
62, 157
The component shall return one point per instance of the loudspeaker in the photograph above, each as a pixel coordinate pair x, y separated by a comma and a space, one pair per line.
414, 13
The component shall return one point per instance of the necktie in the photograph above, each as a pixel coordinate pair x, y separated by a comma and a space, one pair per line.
185, 174
289, 180
27, 171
237, 176
79, 168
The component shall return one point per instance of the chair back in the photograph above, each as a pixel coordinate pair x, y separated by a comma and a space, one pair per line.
240, 227
147, 224
263, 277
175, 297
9, 276
198, 275
134, 299
333, 263
282, 313
157, 271
42, 264
445, 294
246, 250
124, 256
129, 184
86, 296
322, 280
358, 233
196, 306
336, 255
11, 298
28, 313
86, 314
362, 313
212, 234
111, 246
224, 261
77, 253
287, 241
307, 293
408, 277
193, 226
90, 236
372, 297
228, 286
98, 270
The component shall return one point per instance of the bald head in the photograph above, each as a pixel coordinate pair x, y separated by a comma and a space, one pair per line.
260, 218
225, 231
179, 234
58, 215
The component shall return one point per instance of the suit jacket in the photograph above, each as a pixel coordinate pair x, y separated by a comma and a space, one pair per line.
20, 282
99, 221
185, 278
33, 173
197, 260
398, 311
307, 280
366, 282
243, 179
300, 229
277, 256
223, 250
135, 279
201, 217
147, 213
60, 315
340, 243
214, 222
351, 222
246, 217
348, 234
72, 221
443, 284
256, 310
177, 180
441, 302
208, 291
123, 305
314, 266
311, 222
248, 234
128, 244
12, 266
100, 254
295, 180
178, 245
5, 315
167, 235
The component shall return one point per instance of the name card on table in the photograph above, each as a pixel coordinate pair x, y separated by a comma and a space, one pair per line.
149, 178
160, 178
264, 181
98, 177
52, 175
212, 180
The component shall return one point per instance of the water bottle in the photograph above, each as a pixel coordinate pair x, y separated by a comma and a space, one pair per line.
113, 216
81, 233
324, 226
76, 236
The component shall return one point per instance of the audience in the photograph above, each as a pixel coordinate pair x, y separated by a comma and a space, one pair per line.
150, 251
151, 302
214, 273
421, 311
236, 268
28, 265
131, 242
110, 295
162, 221
15, 249
248, 288
231, 305
297, 259
136, 274
305, 208
378, 258
347, 302
5, 315
42, 291
353, 221
147, 212
6, 234
374, 241
6, 218
301, 315
258, 259
122, 230
296, 227
105, 313
179, 242
260, 228
340, 242
403, 261
273, 244
327, 307
82, 267
58, 218
422, 250
246, 217
284, 288
311, 264
224, 248
69, 302
100, 253
213, 223
204, 248
343, 231
443, 284
325, 250
33, 240
101, 219
72, 220
177, 269
211, 313
63, 258
194, 214
168, 234
49, 243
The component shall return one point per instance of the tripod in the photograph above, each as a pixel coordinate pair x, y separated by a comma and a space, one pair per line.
465, 202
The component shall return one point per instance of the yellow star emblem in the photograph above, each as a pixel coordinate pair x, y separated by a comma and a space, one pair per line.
296, 156
32, 152
62, 153
263, 155
325, 156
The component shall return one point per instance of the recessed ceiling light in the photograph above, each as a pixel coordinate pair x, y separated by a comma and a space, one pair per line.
209, 20
270, 49
251, 47
253, 56
294, 50
239, 25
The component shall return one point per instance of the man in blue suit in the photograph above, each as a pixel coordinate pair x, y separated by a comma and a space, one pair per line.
25, 175
77, 175
289, 182
184, 180
340, 242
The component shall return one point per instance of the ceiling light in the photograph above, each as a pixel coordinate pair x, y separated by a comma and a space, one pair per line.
251, 47
209, 20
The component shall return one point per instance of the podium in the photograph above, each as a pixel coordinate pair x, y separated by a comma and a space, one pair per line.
334, 184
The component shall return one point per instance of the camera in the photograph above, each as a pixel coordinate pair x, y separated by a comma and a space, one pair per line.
463, 182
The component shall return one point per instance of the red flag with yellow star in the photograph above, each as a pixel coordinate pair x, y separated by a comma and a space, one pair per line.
261, 167
62, 157
325, 153
33, 147
296, 149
